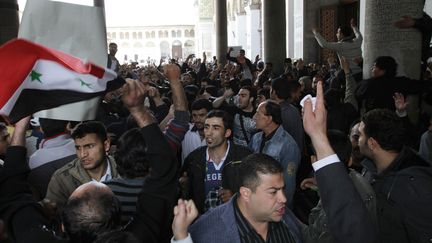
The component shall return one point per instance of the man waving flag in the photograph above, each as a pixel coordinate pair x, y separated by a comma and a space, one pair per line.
34, 78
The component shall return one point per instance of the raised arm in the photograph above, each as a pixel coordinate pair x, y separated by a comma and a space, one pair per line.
348, 218
133, 99
358, 35
335, 46
179, 125
229, 57
172, 72
18, 136
219, 100
158, 194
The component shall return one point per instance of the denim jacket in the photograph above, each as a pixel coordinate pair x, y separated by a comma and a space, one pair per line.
283, 148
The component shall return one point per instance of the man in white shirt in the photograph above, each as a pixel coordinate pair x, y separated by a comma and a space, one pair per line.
55, 150
194, 138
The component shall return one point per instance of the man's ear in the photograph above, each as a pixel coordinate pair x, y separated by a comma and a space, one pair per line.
313, 158
228, 133
350, 161
372, 143
245, 193
107, 145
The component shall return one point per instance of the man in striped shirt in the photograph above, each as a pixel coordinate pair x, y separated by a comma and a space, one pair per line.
132, 162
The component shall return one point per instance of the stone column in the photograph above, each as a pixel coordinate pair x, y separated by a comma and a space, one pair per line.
381, 38
221, 30
240, 31
274, 30
99, 3
253, 30
290, 27
311, 15
9, 20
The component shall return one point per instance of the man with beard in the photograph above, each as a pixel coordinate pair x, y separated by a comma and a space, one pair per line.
356, 156
92, 164
401, 179
202, 169
243, 112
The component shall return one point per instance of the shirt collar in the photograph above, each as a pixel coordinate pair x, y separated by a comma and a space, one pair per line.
270, 136
107, 175
208, 159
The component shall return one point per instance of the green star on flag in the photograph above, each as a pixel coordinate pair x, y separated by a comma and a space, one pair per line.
35, 76
84, 83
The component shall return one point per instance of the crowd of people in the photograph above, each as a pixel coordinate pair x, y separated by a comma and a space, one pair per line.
197, 151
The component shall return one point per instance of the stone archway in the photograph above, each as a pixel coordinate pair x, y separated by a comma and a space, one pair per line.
177, 50
164, 49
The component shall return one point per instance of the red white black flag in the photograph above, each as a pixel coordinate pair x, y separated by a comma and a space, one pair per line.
34, 78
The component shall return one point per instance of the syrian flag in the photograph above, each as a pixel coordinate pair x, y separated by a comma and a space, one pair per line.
34, 78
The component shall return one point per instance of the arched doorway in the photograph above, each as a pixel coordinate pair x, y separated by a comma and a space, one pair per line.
177, 51
164, 49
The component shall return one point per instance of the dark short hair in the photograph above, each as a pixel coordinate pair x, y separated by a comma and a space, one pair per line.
193, 75
260, 65
340, 144
265, 92
51, 127
246, 82
388, 64
202, 104
281, 87
116, 236
226, 118
252, 92
211, 89
112, 44
346, 31
90, 127
385, 127
332, 97
131, 155
273, 109
254, 165
89, 215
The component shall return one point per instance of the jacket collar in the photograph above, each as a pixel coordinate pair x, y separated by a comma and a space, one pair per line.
79, 173
405, 159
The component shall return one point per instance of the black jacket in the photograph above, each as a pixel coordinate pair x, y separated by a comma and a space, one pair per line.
404, 198
378, 92
195, 167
